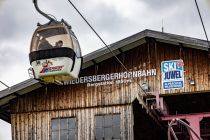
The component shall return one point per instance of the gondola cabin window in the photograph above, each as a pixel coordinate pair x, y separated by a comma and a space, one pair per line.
107, 127
49, 38
63, 129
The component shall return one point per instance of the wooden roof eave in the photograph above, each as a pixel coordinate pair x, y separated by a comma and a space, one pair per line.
138, 39
18, 90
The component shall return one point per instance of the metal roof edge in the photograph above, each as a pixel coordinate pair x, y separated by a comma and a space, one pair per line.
18, 87
201, 44
114, 46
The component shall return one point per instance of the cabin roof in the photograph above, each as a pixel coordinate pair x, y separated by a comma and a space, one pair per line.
98, 56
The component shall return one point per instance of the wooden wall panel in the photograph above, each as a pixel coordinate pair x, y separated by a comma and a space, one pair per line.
54, 99
32, 112
37, 125
146, 56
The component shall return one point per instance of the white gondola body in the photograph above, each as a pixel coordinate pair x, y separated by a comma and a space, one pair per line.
55, 64
56, 69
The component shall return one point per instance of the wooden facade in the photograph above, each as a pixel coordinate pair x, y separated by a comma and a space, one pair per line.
31, 114
37, 125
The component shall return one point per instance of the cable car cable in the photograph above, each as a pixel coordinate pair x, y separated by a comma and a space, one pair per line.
4, 84
203, 25
121, 63
103, 41
98, 35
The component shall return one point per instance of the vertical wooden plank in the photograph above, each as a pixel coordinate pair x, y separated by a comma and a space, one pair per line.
35, 126
18, 134
13, 126
79, 125
205, 55
48, 125
39, 126
26, 125
186, 69
123, 124
43, 126
92, 124
201, 71
152, 66
191, 70
196, 70
160, 58
22, 124
30, 126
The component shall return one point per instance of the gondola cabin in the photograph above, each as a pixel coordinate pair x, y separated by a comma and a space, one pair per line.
55, 54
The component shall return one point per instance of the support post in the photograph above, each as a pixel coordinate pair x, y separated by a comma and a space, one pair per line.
194, 122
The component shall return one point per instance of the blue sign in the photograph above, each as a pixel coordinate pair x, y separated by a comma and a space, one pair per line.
172, 74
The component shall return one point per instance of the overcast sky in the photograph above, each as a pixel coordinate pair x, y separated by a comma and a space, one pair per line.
112, 19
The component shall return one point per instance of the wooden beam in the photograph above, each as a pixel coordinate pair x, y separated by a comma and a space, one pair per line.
186, 116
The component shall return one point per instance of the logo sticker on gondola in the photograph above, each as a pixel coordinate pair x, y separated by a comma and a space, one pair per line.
172, 74
47, 67
51, 69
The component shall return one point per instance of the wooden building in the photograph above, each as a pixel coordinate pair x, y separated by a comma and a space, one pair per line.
110, 101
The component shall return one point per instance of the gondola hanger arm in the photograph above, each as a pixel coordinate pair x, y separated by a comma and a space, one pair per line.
41, 12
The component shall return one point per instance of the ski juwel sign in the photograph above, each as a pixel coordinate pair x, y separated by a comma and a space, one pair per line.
172, 74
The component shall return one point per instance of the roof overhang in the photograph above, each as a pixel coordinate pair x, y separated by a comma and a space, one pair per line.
138, 39
98, 56
13, 92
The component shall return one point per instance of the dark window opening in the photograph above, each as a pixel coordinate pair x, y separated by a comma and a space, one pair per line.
107, 127
63, 129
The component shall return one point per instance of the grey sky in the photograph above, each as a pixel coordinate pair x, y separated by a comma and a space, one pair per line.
112, 19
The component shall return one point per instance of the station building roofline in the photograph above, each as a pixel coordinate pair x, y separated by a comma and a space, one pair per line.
98, 56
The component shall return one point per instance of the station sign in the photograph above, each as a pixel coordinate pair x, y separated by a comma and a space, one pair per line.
172, 74
112, 78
